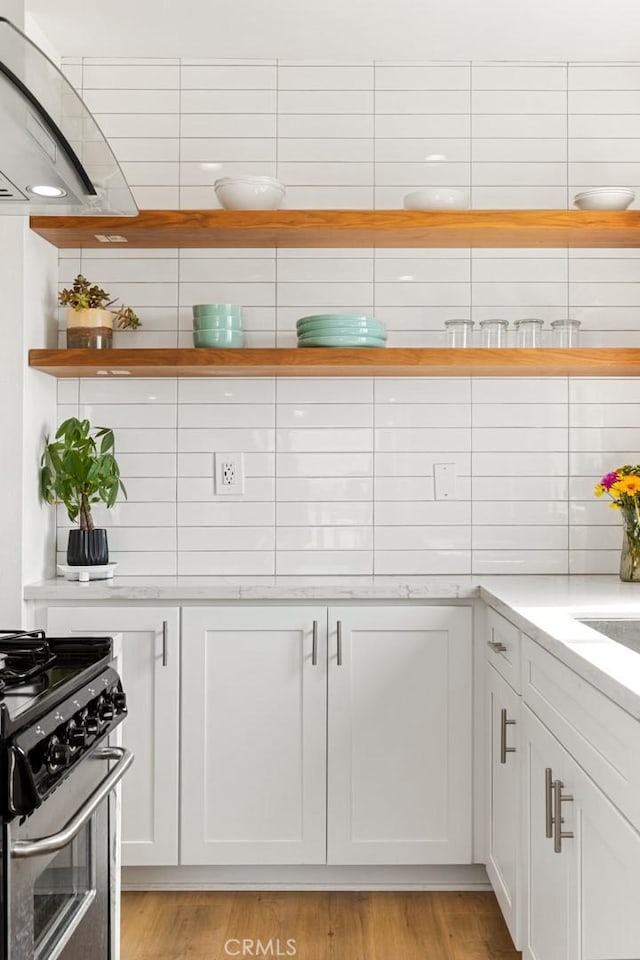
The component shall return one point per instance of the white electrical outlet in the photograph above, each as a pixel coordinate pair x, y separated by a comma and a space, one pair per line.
229, 474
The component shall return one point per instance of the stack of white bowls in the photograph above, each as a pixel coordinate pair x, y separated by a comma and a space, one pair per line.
217, 325
340, 330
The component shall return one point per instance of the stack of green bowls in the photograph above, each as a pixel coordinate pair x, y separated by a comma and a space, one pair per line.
340, 330
217, 325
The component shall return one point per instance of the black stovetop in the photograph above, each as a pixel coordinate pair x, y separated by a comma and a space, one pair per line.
38, 672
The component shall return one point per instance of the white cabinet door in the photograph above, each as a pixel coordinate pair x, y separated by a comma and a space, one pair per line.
150, 676
399, 735
608, 882
503, 860
549, 878
253, 735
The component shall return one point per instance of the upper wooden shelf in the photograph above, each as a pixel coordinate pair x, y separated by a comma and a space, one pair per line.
323, 362
346, 228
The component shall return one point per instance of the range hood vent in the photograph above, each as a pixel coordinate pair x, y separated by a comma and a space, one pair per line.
54, 159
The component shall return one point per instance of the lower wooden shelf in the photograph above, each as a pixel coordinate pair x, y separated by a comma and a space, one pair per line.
324, 362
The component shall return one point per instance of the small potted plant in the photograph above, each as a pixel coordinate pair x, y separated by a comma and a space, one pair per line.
79, 469
89, 321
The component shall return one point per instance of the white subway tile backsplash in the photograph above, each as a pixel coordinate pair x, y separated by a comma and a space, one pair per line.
323, 562
324, 513
407, 77
520, 562
422, 562
339, 472
519, 77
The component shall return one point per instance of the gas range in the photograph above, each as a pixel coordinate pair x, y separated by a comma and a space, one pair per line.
59, 697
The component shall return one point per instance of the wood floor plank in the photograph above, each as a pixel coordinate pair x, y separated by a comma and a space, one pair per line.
317, 925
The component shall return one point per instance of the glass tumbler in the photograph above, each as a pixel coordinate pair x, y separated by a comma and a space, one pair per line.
565, 333
494, 333
528, 333
459, 332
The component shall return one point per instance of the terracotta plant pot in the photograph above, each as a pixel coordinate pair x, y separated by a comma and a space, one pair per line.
87, 548
90, 328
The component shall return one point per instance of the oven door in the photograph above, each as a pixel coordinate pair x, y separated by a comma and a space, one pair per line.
57, 891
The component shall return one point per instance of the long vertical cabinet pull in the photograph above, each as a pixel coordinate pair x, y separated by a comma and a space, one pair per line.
314, 645
548, 801
504, 723
165, 642
558, 833
339, 644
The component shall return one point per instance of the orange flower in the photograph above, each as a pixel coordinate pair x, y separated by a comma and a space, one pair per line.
629, 485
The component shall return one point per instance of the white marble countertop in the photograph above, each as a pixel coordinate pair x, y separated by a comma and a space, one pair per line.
255, 588
543, 607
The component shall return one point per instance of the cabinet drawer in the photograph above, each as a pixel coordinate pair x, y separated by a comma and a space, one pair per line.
503, 648
602, 737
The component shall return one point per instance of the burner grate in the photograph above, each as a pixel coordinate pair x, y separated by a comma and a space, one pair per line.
24, 655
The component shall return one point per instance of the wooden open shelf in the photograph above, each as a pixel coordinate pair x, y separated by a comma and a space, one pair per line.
323, 362
346, 228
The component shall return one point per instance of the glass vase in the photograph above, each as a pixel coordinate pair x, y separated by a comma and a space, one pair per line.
630, 558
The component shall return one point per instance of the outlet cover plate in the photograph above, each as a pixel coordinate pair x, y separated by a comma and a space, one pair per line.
229, 474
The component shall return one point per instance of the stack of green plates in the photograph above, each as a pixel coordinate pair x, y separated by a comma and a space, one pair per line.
340, 330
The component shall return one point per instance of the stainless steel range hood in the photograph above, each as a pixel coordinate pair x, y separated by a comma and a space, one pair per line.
54, 158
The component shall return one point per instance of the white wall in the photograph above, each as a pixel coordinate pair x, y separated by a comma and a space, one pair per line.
340, 473
27, 399
345, 29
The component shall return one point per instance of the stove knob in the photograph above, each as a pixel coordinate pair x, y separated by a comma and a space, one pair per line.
58, 755
74, 735
92, 725
106, 712
119, 701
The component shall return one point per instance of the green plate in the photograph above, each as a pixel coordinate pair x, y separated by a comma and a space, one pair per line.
341, 342
335, 318
325, 329
342, 332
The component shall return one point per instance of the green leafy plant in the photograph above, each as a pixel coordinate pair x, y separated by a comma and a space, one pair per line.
86, 296
78, 469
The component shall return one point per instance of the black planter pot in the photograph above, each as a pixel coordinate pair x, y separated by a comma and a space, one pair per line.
87, 548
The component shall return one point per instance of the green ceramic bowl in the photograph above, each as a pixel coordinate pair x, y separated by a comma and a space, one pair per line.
217, 323
217, 309
218, 338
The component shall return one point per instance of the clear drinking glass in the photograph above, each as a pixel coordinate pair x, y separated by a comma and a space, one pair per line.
494, 333
565, 333
459, 332
528, 333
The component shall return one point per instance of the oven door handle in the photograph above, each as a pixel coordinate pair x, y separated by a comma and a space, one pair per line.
57, 841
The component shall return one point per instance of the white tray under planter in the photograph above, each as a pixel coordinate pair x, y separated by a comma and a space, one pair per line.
103, 571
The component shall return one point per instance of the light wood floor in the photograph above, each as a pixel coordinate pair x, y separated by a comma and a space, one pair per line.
325, 926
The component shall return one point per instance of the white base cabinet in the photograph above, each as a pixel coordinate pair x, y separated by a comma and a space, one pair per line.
583, 891
399, 735
351, 751
253, 735
151, 676
504, 801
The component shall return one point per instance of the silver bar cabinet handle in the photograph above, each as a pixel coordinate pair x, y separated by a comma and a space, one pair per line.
496, 646
548, 800
314, 645
339, 647
504, 723
165, 642
558, 833
57, 841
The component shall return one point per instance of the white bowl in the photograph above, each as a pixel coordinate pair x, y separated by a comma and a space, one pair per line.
437, 198
249, 193
605, 198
